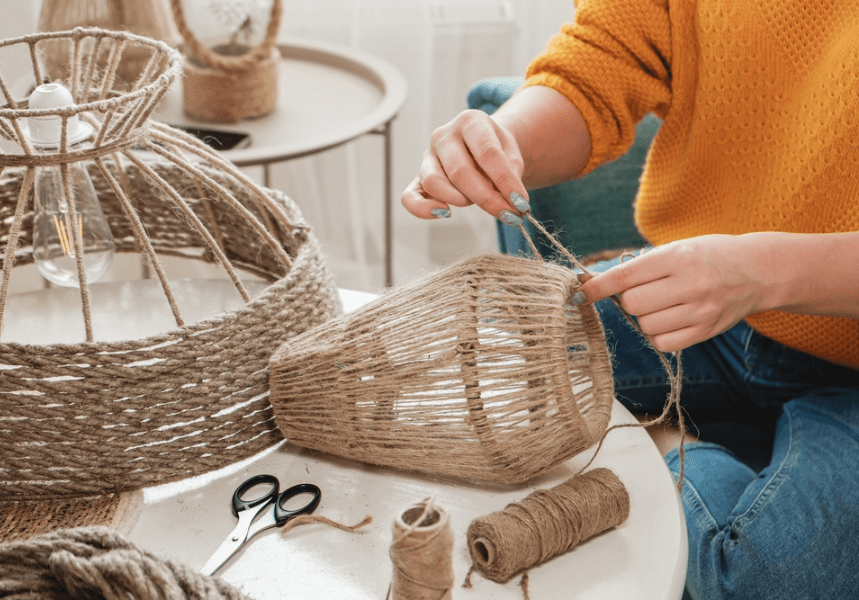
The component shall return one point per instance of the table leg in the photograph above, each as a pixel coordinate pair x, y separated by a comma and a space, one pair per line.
389, 226
385, 131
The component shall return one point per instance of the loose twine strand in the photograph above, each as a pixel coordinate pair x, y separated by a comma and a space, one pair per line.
422, 554
675, 377
98, 563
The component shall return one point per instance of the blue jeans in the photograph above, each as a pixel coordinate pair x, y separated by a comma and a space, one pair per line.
771, 493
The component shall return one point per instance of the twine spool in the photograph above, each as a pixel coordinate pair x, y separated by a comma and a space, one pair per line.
546, 523
228, 83
422, 554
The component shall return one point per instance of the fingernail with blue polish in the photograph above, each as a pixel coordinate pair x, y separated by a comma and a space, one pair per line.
510, 218
519, 202
579, 298
440, 213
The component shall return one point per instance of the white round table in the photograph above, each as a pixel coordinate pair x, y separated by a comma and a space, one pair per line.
328, 95
644, 558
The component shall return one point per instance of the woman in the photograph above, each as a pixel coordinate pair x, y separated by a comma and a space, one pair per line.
750, 198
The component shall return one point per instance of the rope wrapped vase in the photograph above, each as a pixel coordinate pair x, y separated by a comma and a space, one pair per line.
482, 371
83, 424
229, 82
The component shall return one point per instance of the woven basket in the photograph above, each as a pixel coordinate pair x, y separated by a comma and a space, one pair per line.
482, 371
100, 418
227, 83
151, 19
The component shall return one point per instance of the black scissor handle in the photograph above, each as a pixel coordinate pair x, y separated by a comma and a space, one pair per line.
240, 504
282, 515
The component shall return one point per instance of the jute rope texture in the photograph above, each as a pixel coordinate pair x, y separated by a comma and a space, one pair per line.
545, 524
97, 563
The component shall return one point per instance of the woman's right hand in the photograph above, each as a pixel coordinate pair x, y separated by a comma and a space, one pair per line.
471, 160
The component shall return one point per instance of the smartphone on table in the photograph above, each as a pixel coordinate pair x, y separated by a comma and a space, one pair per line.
218, 138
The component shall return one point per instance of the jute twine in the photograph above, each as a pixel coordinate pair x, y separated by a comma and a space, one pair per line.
422, 554
674, 375
545, 524
82, 424
481, 371
97, 563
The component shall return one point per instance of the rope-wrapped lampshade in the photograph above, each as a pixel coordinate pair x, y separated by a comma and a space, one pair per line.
92, 418
482, 371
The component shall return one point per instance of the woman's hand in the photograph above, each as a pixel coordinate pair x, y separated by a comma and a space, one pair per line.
471, 160
535, 139
691, 290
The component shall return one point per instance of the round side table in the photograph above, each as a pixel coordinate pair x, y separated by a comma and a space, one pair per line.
329, 95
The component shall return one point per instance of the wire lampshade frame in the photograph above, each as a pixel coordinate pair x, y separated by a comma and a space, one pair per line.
122, 128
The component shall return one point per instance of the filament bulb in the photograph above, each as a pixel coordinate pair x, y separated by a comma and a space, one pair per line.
59, 231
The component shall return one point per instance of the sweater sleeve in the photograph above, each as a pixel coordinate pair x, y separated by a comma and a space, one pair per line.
614, 64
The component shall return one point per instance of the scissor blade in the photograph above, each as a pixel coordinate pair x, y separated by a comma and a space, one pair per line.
230, 546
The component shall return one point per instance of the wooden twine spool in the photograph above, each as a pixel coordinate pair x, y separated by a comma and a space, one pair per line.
546, 523
422, 554
228, 83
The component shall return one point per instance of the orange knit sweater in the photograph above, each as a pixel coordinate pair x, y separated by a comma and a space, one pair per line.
760, 101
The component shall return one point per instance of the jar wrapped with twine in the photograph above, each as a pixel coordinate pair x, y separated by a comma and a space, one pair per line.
229, 82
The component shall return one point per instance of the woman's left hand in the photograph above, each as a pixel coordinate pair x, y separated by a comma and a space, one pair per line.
691, 290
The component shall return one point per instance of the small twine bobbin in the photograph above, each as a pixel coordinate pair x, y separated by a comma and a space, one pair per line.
546, 523
422, 554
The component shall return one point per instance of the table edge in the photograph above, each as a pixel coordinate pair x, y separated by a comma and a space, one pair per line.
376, 70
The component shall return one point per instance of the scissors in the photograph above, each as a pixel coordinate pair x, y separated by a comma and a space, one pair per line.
247, 511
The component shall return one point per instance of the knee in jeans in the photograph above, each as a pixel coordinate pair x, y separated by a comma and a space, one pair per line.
731, 567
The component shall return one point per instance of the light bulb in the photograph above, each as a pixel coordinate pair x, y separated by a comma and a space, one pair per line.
54, 227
